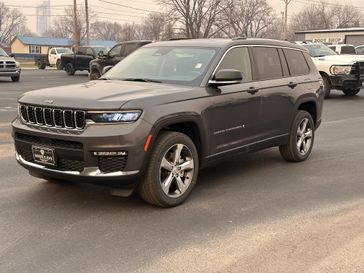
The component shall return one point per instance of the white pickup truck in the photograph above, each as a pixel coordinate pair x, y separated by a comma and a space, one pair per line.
341, 72
53, 58
9, 67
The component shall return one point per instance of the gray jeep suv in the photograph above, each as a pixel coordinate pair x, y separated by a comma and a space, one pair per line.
169, 109
9, 67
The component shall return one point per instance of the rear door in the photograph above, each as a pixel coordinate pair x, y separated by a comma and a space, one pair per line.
272, 72
234, 115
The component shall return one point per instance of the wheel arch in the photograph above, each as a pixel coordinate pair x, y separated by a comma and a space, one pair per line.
309, 105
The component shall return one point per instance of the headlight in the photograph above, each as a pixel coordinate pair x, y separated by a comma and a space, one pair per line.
17, 64
340, 69
127, 116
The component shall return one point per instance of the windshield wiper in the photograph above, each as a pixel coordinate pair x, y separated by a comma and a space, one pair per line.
141, 80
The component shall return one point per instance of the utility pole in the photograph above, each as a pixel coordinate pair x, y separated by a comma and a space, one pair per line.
87, 24
76, 35
285, 28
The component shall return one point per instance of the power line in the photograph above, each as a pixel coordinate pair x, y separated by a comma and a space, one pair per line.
326, 3
126, 6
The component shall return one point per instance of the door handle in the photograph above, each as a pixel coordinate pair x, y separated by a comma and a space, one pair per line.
252, 90
292, 84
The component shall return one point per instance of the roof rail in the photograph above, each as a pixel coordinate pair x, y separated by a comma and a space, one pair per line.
179, 38
239, 38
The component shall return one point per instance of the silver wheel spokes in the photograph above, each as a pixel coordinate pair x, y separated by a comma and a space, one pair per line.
304, 136
176, 170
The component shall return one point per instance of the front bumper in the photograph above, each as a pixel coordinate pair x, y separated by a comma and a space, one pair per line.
341, 82
73, 152
11, 73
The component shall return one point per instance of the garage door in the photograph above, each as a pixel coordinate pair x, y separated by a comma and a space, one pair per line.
354, 39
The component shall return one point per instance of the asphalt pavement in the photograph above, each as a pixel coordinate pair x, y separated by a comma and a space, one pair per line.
254, 213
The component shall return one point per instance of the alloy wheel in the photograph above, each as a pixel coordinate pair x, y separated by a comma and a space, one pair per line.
304, 136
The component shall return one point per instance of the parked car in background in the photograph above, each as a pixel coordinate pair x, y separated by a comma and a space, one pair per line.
80, 60
9, 67
115, 55
343, 49
169, 109
360, 50
52, 58
342, 72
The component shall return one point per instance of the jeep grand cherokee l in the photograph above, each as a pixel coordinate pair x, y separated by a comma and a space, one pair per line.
169, 109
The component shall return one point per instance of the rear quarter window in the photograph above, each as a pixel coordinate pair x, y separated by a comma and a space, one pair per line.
267, 63
348, 50
297, 63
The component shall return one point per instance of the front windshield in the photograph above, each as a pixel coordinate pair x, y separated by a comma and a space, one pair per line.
319, 50
2, 52
174, 65
64, 50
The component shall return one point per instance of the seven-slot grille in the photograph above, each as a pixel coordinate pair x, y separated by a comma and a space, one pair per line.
50, 117
7, 65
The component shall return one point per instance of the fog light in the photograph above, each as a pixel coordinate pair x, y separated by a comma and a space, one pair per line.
117, 153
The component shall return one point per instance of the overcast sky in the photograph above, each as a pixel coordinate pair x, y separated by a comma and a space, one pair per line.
106, 11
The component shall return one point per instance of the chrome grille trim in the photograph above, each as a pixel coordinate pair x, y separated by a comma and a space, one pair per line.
53, 118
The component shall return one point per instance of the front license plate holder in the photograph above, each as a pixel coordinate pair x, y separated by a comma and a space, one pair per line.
44, 155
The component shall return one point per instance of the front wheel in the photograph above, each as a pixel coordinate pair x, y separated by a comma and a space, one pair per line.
15, 78
327, 86
172, 171
351, 92
95, 75
299, 146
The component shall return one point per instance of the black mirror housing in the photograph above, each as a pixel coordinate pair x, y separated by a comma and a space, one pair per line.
227, 76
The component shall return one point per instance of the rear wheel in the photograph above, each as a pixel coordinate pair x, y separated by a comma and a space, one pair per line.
301, 139
41, 65
172, 171
351, 92
70, 70
95, 74
59, 64
15, 78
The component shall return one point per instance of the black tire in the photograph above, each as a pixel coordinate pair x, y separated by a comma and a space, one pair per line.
15, 78
327, 85
41, 65
150, 188
70, 70
95, 74
351, 92
291, 151
59, 64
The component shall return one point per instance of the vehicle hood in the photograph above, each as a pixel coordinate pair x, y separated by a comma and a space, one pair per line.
341, 59
102, 94
6, 58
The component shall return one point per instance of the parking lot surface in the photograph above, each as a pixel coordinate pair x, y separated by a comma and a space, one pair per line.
254, 213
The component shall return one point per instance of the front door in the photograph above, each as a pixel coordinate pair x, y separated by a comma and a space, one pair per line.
234, 115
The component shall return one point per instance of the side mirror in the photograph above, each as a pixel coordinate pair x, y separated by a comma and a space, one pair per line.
101, 54
226, 77
12, 55
106, 68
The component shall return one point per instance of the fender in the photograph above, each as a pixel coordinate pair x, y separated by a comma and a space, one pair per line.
174, 119
303, 99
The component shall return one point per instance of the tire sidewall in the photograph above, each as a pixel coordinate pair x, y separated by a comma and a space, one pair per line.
164, 144
69, 69
293, 139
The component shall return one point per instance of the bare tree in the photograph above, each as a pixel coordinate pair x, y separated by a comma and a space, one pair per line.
62, 26
12, 22
324, 16
250, 18
106, 30
197, 17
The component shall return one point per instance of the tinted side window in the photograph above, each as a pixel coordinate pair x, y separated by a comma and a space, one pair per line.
89, 51
348, 50
238, 58
53, 51
296, 62
267, 63
115, 51
82, 51
129, 48
360, 50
